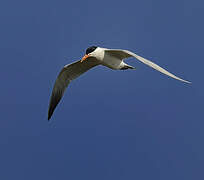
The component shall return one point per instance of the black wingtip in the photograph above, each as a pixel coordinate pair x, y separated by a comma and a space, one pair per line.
55, 99
49, 115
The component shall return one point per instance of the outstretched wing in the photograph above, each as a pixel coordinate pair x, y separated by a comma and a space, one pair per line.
67, 74
125, 54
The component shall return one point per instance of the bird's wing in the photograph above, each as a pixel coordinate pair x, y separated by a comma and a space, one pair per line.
119, 53
67, 74
125, 54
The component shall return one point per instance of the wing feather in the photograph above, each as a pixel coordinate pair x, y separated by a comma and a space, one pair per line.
126, 54
67, 74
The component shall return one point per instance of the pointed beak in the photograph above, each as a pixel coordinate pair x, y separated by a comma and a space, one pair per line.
85, 57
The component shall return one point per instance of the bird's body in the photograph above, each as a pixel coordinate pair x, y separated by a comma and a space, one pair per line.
106, 59
111, 58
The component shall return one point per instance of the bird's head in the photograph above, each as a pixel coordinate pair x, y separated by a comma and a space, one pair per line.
89, 53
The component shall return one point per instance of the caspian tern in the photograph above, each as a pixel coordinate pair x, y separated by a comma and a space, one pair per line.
112, 58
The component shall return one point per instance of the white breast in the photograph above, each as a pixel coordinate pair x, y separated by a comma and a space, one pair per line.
108, 60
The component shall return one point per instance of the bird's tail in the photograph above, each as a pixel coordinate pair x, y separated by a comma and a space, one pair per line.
126, 66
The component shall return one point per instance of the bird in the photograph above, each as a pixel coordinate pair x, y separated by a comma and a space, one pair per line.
94, 56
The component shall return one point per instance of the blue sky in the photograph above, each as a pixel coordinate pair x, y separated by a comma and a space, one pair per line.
110, 124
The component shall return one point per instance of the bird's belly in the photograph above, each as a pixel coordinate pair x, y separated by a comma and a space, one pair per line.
112, 62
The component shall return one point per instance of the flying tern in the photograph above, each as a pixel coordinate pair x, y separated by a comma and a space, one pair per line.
94, 56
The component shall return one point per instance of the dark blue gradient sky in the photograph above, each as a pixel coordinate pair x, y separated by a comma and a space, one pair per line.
122, 125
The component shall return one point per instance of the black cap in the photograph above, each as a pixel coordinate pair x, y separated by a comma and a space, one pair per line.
90, 49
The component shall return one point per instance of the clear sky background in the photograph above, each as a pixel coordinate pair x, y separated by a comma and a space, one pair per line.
110, 124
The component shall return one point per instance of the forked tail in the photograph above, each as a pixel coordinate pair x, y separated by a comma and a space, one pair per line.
126, 66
